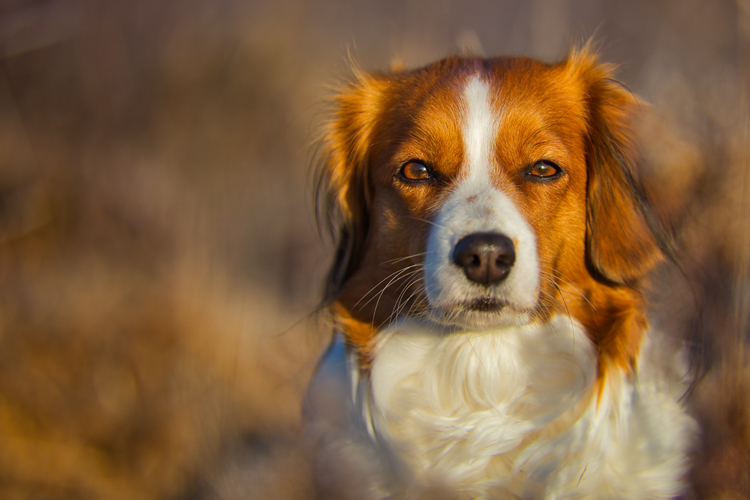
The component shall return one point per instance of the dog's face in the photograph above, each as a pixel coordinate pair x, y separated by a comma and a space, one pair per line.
485, 193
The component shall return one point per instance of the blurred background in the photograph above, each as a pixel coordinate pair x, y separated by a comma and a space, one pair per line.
160, 265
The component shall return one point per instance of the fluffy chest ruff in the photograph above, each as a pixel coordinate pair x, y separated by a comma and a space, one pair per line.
493, 242
517, 413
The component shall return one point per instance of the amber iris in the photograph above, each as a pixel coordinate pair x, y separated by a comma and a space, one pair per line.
544, 169
415, 171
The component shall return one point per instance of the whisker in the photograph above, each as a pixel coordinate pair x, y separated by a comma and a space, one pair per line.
413, 278
551, 297
401, 259
421, 312
396, 275
562, 296
400, 277
555, 304
560, 275
401, 304
570, 316
433, 223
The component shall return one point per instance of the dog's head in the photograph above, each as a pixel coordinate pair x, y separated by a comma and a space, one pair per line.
483, 193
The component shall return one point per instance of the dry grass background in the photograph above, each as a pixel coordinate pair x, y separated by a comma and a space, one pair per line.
159, 261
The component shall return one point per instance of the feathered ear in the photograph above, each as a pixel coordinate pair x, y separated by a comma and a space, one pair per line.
621, 239
342, 174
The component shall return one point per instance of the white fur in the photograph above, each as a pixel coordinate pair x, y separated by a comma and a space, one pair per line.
476, 205
512, 413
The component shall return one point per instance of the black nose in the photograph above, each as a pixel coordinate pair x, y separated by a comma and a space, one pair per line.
486, 258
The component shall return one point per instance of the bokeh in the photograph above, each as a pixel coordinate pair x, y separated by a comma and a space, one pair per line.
160, 264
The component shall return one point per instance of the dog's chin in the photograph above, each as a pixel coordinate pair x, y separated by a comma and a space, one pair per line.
480, 314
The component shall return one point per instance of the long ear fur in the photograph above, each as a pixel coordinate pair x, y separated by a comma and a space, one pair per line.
342, 173
622, 241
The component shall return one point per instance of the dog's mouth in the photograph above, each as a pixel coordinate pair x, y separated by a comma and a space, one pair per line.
481, 313
486, 304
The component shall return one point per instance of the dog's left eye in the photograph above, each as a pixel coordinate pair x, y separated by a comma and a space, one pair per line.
416, 171
543, 170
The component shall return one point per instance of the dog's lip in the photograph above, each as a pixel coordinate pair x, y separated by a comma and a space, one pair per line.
480, 312
485, 304
474, 306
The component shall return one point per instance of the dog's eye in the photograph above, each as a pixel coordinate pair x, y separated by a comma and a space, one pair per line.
416, 171
543, 170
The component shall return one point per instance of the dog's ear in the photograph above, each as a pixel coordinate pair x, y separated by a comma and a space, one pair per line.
621, 239
342, 173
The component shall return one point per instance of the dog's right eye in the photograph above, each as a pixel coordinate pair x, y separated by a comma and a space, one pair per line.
415, 171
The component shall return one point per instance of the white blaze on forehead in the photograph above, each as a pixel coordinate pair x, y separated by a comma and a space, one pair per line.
479, 129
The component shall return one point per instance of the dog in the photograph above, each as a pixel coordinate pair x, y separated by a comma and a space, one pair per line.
494, 240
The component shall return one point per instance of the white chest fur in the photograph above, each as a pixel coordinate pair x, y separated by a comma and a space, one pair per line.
516, 413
